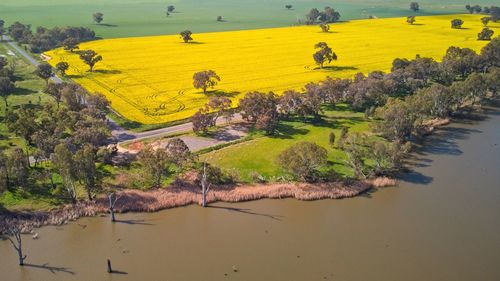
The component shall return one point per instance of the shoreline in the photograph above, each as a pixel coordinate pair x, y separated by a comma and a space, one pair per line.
188, 194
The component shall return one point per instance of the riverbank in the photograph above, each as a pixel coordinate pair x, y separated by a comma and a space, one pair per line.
183, 194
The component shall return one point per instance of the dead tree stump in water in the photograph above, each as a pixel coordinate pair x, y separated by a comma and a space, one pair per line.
110, 269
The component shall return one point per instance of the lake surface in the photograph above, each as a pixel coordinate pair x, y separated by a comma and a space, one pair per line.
441, 223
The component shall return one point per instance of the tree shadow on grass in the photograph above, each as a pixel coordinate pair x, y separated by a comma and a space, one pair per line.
221, 93
52, 269
335, 68
286, 131
108, 71
191, 43
247, 211
106, 25
23, 92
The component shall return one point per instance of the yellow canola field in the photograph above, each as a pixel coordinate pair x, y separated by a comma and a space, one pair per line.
149, 79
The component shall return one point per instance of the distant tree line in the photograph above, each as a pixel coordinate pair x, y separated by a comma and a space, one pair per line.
328, 15
492, 11
44, 39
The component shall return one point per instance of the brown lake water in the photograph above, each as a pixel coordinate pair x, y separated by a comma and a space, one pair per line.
441, 223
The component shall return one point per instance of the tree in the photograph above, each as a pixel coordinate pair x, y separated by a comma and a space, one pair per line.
98, 17
388, 156
4, 172
170, 8
2, 29
112, 199
90, 57
325, 27
23, 122
14, 229
205, 185
494, 12
186, 35
256, 104
288, 6
91, 130
457, 23
303, 159
86, 170
18, 166
475, 87
491, 53
468, 7
202, 121
205, 79
73, 95
343, 136
434, 101
44, 71
6, 88
312, 101
20, 32
485, 20
178, 151
261, 109
397, 120
97, 105
63, 162
355, 149
70, 44
62, 67
324, 54
331, 139
268, 122
221, 107
410, 19
485, 34
312, 16
414, 6
329, 15
290, 102
459, 61
156, 163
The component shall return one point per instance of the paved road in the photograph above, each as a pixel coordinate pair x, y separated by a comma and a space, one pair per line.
123, 135
117, 131
27, 56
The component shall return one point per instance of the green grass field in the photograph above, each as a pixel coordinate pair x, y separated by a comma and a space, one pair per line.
124, 18
259, 154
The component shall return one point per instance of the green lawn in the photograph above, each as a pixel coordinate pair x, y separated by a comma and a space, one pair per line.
124, 18
259, 154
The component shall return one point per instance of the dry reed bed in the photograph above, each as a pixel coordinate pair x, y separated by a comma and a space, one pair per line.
186, 194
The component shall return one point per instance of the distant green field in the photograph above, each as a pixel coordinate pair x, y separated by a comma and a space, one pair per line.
125, 18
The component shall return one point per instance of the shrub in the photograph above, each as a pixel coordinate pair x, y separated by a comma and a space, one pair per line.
303, 160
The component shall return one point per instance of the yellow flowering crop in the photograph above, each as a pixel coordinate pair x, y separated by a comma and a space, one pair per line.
149, 79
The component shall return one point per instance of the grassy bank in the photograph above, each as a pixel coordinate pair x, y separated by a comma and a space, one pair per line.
258, 156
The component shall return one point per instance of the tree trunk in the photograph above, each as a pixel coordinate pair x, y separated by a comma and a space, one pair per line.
205, 186
20, 253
